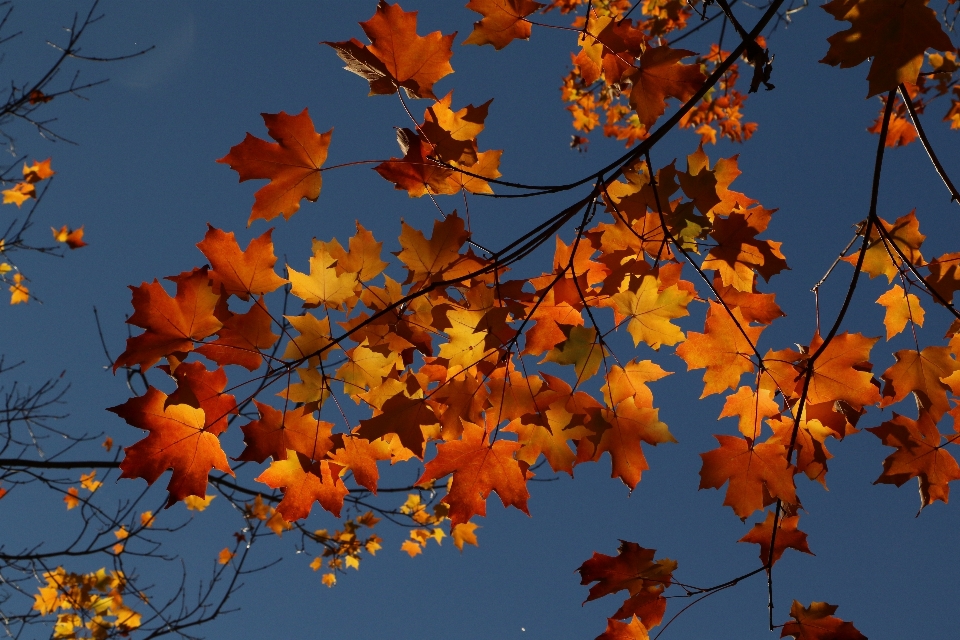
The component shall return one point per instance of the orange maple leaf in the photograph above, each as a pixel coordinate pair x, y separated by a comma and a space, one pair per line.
171, 324
403, 416
919, 453
360, 456
243, 338
788, 537
881, 260
73, 239
416, 173
292, 164
817, 622
502, 23
427, 259
901, 307
723, 349
751, 407
397, 56
277, 432
478, 467
660, 76
739, 253
944, 275
178, 439
756, 472
634, 570
38, 171
894, 33
616, 630
921, 372
552, 421
241, 273
838, 373
305, 482
203, 389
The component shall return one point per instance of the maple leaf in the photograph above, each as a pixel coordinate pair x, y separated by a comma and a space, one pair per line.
553, 420
243, 338
198, 503
836, 375
203, 389
616, 630
427, 259
900, 308
38, 171
453, 133
788, 537
73, 239
660, 76
403, 416
630, 381
463, 533
277, 432
920, 372
944, 275
397, 56
325, 285
305, 482
178, 439
723, 349
650, 310
738, 252
502, 23
608, 46
894, 33
905, 234
581, 349
417, 173
620, 433
919, 453
292, 164
751, 407
809, 443
241, 273
20, 193
634, 570
360, 456
817, 622
470, 177
753, 470
314, 336
19, 293
478, 468
363, 258
171, 324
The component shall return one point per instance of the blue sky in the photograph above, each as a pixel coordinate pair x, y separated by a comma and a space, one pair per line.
144, 183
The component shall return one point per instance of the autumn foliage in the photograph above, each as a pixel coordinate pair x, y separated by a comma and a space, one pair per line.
486, 379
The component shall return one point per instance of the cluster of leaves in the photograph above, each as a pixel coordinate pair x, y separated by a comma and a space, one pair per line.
21, 192
87, 605
27, 103
438, 347
625, 70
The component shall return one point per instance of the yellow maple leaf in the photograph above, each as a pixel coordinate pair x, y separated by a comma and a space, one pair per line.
196, 503
463, 534
18, 291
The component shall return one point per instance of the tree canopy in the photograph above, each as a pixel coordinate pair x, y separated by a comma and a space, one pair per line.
497, 327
